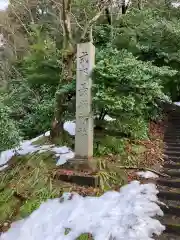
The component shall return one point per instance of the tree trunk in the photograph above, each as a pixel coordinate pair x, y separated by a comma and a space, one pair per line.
67, 71
140, 4
124, 7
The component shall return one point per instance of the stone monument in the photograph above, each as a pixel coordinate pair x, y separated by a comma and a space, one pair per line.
84, 116
81, 169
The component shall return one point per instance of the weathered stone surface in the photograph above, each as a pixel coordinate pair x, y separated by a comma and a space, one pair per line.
84, 118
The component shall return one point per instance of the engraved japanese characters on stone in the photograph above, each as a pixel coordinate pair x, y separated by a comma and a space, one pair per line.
83, 105
84, 62
83, 92
82, 125
84, 119
83, 131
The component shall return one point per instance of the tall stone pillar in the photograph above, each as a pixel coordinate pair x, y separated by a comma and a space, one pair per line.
84, 116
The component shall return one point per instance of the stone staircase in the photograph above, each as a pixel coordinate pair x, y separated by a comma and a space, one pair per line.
169, 187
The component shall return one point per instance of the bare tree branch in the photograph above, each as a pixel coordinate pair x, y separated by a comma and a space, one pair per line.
94, 19
76, 21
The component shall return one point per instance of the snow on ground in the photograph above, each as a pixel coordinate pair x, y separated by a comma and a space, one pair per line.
106, 118
177, 103
27, 147
127, 214
109, 119
147, 174
3, 167
175, 4
70, 127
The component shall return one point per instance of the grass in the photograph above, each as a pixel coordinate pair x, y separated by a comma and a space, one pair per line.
84, 236
29, 180
26, 184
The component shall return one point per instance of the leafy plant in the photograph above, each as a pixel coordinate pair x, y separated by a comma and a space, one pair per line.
128, 89
10, 134
108, 177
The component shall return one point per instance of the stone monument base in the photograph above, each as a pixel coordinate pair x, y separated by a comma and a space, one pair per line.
79, 171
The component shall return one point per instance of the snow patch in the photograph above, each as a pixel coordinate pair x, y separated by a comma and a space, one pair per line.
5, 156
64, 157
47, 134
61, 153
127, 214
3, 167
70, 127
109, 119
118, 3
175, 4
4, 4
106, 118
147, 174
177, 103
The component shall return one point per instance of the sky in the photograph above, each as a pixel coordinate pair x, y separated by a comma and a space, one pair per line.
3, 4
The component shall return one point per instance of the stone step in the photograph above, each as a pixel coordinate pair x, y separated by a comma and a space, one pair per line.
171, 140
175, 138
174, 183
169, 188
172, 158
171, 209
172, 172
172, 147
168, 193
171, 125
172, 153
171, 165
172, 116
166, 236
172, 135
174, 120
171, 143
172, 130
172, 224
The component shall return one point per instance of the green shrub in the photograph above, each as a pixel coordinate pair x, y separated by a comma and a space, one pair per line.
128, 89
10, 135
